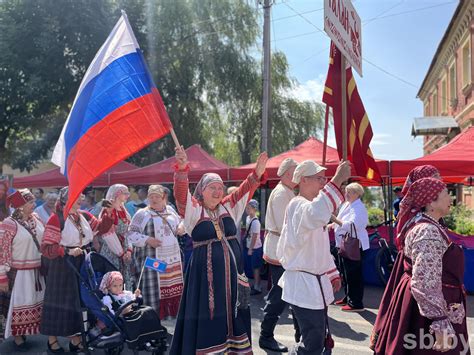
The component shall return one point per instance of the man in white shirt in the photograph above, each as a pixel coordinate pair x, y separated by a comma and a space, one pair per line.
310, 278
276, 206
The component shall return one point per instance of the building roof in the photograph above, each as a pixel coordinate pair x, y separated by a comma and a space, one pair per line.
441, 44
430, 126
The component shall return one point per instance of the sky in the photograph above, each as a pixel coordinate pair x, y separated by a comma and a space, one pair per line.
398, 36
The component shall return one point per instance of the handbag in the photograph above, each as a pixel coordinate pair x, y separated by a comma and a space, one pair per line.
350, 246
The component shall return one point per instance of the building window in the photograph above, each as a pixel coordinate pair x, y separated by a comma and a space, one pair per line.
452, 84
435, 103
466, 64
444, 97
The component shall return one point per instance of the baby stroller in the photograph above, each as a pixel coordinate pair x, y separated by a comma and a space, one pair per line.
117, 332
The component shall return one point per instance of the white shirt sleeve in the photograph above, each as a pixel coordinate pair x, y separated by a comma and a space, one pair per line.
135, 234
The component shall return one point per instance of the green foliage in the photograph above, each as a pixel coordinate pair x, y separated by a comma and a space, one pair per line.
376, 216
460, 220
201, 54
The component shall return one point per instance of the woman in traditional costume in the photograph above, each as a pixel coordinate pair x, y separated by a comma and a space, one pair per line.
415, 174
113, 243
430, 297
207, 320
153, 233
20, 262
66, 238
4, 210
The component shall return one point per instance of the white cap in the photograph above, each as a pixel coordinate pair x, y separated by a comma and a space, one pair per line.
285, 165
306, 168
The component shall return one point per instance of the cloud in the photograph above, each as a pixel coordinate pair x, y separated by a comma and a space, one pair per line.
312, 90
381, 139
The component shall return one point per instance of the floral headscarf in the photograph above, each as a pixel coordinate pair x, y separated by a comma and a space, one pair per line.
206, 180
421, 193
108, 279
417, 173
115, 191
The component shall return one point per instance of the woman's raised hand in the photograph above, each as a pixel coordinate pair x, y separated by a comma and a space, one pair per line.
181, 157
261, 164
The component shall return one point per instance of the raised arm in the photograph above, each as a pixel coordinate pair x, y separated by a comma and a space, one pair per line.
237, 200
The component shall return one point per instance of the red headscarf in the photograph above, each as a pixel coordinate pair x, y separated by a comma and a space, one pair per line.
108, 279
421, 193
417, 173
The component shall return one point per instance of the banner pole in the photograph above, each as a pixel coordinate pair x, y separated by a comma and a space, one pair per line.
344, 107
175, 139
325, 140
141, 274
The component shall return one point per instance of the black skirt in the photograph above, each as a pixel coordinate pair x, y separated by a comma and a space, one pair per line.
62, 304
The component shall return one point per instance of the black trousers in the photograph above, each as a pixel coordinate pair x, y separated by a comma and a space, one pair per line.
275, 306
354, 282
313, 330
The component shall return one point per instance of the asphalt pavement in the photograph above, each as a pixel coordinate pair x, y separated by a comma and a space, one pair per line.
351, 331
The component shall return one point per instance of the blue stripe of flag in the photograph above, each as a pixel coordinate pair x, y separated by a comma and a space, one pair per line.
122, 81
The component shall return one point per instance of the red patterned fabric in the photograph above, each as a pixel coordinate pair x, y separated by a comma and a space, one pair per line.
108, 280
418, 173
421, 193
7, 233
26, 320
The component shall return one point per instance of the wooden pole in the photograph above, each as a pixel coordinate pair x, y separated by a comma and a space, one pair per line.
325, 141
175, 139
344, 107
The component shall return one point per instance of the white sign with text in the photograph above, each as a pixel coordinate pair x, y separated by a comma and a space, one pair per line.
343, 26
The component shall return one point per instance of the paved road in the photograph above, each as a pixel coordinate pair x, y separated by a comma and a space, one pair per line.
351, 331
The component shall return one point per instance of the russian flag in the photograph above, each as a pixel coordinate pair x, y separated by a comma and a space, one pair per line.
117, 112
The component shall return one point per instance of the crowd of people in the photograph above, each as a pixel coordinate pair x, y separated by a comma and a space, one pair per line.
204, 285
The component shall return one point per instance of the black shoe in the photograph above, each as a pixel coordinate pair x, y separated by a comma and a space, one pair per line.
75, 348
22, 347
272, 345
59, 350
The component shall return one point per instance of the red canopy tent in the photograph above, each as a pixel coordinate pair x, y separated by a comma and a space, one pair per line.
162, 172
54, 178
312, 148
454, 160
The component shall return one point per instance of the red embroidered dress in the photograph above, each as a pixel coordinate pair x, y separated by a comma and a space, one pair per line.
20, 262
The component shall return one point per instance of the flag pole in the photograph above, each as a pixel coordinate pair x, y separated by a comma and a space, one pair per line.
325, 140
175, 139
141, 274
344, 108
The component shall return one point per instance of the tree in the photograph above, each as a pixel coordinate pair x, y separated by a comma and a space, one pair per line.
45, 50
200, 53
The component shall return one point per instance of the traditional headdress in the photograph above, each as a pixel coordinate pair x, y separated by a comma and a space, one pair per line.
421, 193
20, 198
115, 191
417, 173
205, 181
108, 279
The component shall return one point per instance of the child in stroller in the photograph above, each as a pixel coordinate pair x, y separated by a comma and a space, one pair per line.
137, 320
119, 316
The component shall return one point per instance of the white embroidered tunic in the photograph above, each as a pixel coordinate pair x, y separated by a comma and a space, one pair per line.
304, 246
276, 207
